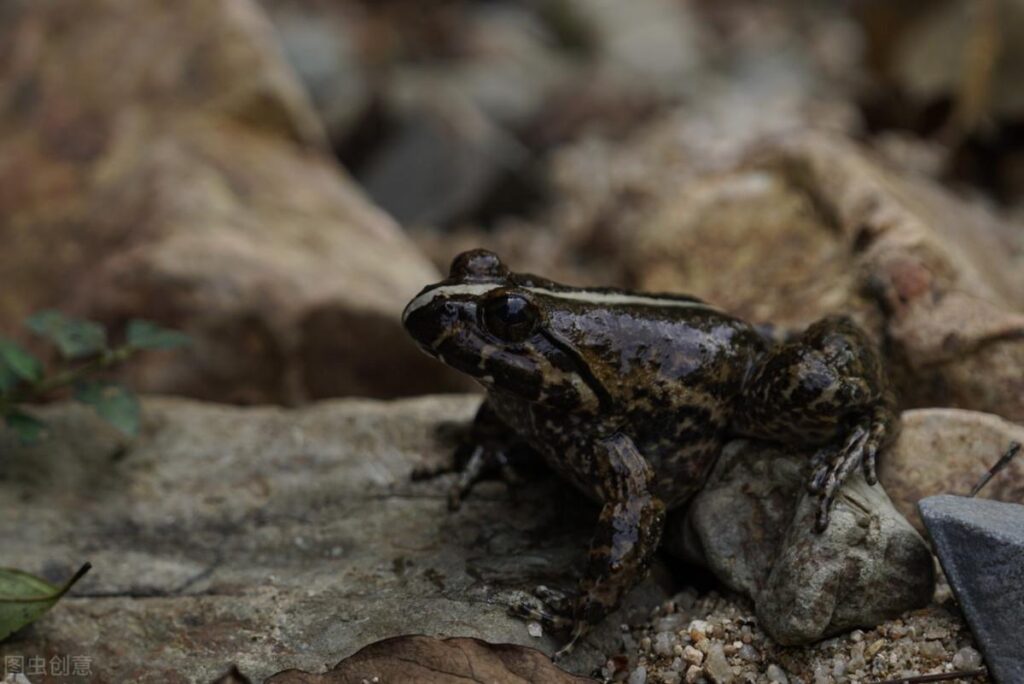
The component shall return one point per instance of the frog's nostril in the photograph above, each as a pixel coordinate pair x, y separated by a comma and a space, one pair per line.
477, 264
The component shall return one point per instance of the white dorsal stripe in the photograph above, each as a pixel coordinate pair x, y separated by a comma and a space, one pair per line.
580, 295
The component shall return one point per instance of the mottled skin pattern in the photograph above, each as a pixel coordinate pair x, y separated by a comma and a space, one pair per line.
631, 397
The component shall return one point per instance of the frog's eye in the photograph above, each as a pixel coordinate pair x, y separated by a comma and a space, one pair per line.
510, 317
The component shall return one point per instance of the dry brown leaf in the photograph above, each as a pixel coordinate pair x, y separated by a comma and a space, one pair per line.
426, 660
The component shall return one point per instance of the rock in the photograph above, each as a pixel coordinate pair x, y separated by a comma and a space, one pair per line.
438, 661
276, 539
651, 45
967, 659
196, 188
933, 276
443, 157
980, 545
947, 451
322, 44
928, 60
940, 272
752, 525
717, 667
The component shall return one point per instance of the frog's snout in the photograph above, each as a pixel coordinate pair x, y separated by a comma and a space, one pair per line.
424, 320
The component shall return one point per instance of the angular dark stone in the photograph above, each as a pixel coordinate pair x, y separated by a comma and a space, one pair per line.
981, 546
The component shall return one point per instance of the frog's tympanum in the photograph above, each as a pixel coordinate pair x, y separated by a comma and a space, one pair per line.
631, 397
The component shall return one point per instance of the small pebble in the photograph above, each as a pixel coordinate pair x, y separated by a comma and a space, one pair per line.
694, 674
776, 674
671, 677
699, 629
933, 649
692, 655
749, 653
663, 643
716, 666
638, 676
967, 659
669, 623
535, 630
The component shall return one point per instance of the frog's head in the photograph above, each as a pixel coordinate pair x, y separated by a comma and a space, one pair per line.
496, 327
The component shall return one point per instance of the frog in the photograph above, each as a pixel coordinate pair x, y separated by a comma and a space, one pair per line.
630, 397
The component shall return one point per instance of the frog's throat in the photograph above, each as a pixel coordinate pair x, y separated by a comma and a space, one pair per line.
606, 297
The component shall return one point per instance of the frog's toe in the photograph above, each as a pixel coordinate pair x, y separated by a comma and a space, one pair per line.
579, 629
833, 466
533, 608
561, 601
830, 476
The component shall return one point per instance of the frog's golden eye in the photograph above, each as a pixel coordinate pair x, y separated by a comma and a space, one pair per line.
510, 317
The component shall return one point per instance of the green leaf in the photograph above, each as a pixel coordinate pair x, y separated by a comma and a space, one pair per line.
74, 337
149, 335
113, 402
28, 429
24, 598
8, 379
19, 362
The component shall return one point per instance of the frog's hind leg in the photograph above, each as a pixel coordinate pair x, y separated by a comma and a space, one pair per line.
488, 450
825, 386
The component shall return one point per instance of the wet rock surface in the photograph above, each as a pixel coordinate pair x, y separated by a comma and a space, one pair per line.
276, 539
196, 188
981, 545
753, 526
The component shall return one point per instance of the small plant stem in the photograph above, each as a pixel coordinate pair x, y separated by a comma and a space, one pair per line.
68, 376
940, 677
1000, 464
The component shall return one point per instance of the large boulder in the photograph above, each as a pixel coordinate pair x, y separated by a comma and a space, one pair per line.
194, 185
276, 539
783, 227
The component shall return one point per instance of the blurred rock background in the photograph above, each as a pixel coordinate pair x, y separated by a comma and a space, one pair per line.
268, 177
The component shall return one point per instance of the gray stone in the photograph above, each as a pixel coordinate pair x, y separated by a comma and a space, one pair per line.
276, 539
444, 157
981, 547
322, 45
752, 525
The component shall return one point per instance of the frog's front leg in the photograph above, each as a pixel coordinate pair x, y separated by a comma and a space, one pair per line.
824, 388
628, 531
487, 451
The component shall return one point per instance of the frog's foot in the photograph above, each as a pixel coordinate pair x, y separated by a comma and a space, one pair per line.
551, 608
833, 464
483, 463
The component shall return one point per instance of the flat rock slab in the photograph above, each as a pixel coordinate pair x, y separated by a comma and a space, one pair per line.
276, 539
981, 546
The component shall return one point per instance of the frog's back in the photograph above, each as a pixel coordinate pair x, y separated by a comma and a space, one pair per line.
669, 368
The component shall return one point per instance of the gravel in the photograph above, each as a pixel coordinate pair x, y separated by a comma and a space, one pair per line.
714, 638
